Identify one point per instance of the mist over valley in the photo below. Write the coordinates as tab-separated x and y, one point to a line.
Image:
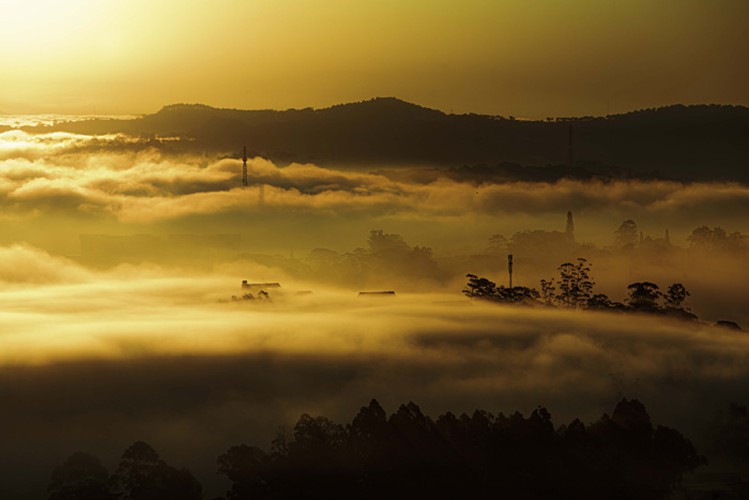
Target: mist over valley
121	253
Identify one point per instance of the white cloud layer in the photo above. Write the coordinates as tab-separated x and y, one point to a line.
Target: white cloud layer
101	175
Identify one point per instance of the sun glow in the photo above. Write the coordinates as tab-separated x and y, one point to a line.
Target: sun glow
27	26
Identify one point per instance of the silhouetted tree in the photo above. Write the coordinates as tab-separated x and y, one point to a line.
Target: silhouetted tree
244	466
644	296
675	295
518	294
370	435
380	241
142	475
469	456
731	433
642	462
601	302
390	255
547	292
484	289
81	477
674	298
716	238
316	437
575	284
574	290
497	244
480	288
535	244
386	259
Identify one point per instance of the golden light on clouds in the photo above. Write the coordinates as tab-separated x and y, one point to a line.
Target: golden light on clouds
123	241
126	178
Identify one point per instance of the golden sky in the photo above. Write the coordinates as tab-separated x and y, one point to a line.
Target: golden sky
514	57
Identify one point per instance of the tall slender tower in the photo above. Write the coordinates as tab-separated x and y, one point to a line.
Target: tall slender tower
509	268
244	167
569	231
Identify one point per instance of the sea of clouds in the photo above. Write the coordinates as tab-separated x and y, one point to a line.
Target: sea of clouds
123	177
93	360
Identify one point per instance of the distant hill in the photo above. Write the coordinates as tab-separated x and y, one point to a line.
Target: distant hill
684	142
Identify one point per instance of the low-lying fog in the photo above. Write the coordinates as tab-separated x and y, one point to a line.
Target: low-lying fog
94	360
131	337
56	186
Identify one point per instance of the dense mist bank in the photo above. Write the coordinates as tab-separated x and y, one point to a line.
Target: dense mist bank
98	360
194	407
118	256
94	200
54	187
679	142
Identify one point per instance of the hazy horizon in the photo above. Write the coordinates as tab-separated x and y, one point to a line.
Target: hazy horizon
47	117
124	244
503	58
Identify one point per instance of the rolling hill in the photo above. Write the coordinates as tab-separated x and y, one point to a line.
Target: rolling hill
699	142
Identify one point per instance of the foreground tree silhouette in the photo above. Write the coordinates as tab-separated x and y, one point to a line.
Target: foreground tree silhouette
81	477
731	433
243	466
467	456
142	475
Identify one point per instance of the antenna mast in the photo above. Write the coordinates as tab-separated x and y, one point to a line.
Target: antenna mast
244	167
509	268
569	230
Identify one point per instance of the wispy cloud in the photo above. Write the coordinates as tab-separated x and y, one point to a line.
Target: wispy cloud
94	174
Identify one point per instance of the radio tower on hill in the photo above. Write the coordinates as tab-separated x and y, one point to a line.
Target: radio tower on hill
244	167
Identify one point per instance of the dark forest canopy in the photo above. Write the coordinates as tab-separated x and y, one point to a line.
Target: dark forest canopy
410	455
681	142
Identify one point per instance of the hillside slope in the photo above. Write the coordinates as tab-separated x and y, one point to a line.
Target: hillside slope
685	142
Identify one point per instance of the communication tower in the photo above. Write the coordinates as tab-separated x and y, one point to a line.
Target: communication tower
509	268
569	230
244	167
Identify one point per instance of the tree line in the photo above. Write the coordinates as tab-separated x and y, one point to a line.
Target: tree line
141	475
573	289
411	455
626	237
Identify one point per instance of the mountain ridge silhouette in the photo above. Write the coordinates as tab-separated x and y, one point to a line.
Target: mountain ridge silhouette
694	142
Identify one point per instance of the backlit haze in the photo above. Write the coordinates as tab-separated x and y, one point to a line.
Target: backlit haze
121	247
510	57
